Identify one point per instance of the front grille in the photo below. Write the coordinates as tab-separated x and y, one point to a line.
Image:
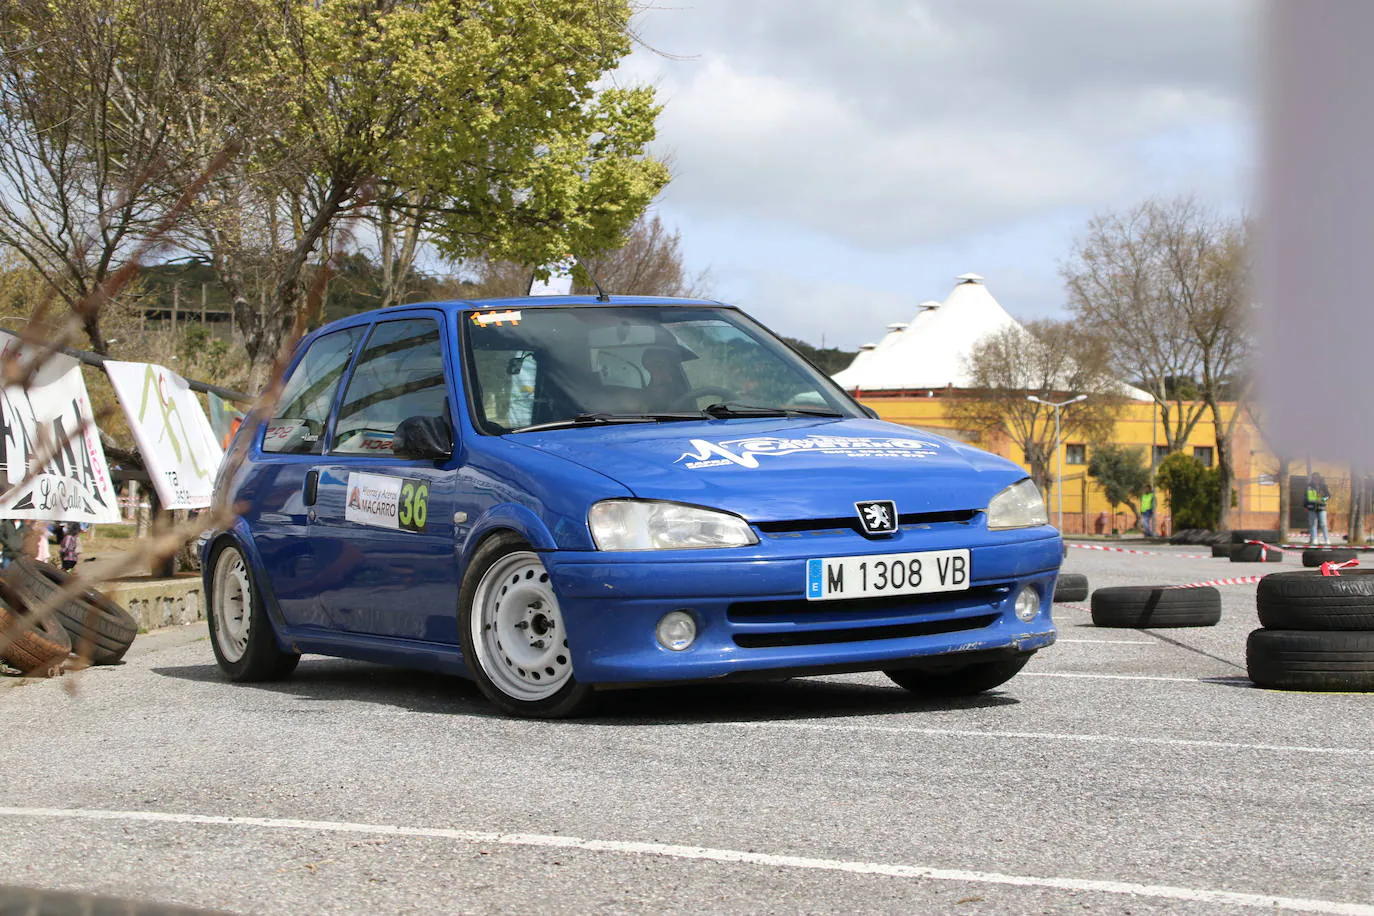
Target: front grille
801	611
851	523
861	634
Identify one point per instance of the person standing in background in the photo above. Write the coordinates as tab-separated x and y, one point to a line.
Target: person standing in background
1315	500
11	541
1147	514
70	547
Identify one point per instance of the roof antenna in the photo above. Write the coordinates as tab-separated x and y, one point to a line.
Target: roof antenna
600	293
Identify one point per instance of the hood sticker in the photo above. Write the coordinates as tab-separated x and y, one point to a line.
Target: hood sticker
745	452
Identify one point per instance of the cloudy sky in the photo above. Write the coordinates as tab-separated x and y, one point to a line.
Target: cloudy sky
837	161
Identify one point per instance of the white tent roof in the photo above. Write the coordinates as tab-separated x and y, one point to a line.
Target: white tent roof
934	348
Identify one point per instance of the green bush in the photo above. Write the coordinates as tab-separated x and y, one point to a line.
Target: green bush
1120	472
1194	491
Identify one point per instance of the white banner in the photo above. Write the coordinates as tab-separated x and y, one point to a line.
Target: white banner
74	485
173	434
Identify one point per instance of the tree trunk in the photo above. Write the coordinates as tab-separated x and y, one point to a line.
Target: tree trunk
1285	499
1355	529
1227	474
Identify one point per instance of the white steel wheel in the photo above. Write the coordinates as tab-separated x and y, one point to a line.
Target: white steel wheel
517	629
233	605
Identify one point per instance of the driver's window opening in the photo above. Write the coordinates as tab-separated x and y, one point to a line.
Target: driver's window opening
400	374
555	364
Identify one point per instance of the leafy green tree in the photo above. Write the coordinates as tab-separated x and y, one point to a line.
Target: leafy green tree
1122	474
1194	491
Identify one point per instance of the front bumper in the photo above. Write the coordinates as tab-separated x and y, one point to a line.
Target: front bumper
752	615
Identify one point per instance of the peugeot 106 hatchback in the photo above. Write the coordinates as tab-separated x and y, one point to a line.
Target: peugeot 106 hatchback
555	495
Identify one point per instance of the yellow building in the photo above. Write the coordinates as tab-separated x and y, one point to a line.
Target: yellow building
1085	507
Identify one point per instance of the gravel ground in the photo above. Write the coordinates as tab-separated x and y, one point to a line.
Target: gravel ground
1123	771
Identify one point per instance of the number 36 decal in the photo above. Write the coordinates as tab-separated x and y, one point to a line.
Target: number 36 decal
413	509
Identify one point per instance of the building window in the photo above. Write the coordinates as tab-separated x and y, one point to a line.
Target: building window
1161	452
1075	454
1203	453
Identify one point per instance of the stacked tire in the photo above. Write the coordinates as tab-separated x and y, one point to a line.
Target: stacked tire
96	628
1316	556
1255	553
1317	632
1070	587
1156	606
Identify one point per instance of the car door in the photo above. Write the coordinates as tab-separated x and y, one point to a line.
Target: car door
386	524
275	495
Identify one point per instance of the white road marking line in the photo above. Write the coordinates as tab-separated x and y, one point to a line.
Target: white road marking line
1065	736
729	856
1111	642
1121	677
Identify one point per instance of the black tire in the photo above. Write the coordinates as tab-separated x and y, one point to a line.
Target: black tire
1154	606
571	699
35	650
964	681
1222	550
1311	660
1310	601
1071	587
1267	535
32	901
1316	556
100	629
241	634
1254	553
1066	550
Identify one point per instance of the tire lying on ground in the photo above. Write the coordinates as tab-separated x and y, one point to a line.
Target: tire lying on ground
35	650
1311	659
1316	556
1310	601
1267	535
1254	553
99	628
1149	606
1071	587
1222	550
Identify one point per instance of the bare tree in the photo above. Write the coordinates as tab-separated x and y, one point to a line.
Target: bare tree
649	263
1164	285
1053	361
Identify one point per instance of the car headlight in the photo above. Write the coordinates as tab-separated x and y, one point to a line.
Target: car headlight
635	524
1018	506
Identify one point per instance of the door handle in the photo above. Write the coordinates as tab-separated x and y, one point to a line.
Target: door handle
312	486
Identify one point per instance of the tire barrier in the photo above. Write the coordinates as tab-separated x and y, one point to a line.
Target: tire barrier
1317	630
1222	550
100	629
32	649
1156	606
1325	660
1316	556
1254	552
1245	535
1070	587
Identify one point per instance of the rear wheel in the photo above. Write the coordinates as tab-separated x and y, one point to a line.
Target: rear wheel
240	630
959	682
514	640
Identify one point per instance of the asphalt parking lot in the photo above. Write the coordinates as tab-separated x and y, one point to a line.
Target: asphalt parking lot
1123	771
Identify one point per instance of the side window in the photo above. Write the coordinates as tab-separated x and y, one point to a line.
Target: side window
298	428
400	374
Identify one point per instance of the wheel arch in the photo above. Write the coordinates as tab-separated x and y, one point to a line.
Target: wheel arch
508	518
239	537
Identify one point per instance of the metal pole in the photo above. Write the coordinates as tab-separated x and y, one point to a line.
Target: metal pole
1059	455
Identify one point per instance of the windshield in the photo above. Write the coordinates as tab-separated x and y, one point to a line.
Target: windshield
554	366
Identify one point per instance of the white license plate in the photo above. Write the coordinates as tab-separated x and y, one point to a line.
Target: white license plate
887	574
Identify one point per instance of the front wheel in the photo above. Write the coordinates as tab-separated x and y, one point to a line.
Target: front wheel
514	640
959	682
240	630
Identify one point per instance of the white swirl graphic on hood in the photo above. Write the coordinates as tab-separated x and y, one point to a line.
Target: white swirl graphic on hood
745	452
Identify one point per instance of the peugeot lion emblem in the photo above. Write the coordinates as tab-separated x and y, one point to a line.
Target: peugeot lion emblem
878	517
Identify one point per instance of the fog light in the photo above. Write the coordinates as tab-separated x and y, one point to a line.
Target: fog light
1027	604
677	631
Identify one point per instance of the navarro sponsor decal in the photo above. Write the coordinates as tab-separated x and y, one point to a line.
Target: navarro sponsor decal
400	503
746	452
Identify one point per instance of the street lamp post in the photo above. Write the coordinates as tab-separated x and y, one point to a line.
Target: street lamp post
1058	454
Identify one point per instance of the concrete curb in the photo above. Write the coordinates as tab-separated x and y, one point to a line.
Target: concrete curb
156	603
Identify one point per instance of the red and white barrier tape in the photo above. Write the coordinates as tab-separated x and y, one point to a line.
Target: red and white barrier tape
1334	569
1264	549
1234	580
1324	547
1151	553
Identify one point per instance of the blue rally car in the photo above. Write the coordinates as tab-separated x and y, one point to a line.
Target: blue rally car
555	495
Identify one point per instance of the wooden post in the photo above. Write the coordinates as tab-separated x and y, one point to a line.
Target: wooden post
176	302
202	305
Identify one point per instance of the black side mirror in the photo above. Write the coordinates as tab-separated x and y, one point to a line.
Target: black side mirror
423	438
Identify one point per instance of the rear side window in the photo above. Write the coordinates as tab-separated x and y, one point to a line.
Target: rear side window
298	428
400	374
